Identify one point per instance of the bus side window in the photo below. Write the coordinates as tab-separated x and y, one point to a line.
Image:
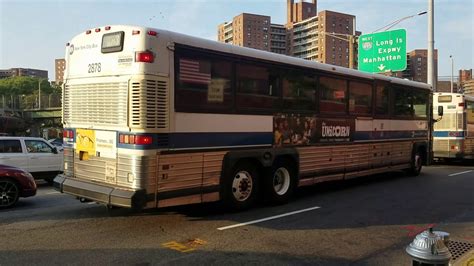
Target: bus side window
470	112
203	84
333	95
299	92
420	104
402	102
381	100
256	88
360	98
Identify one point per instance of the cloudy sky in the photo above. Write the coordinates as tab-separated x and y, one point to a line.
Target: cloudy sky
34	32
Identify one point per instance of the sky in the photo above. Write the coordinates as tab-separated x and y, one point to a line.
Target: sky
33	33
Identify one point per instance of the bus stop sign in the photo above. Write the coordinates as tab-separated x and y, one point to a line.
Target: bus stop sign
383	51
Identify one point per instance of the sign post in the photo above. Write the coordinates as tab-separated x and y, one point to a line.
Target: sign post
383	51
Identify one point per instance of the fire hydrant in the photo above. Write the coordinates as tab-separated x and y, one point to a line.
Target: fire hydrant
429	248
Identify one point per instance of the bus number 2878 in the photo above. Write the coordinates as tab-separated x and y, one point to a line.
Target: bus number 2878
94	67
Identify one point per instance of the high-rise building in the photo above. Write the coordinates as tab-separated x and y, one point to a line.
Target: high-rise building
299	11
325	38
248	30
23	72
465	75
417	65
278	38
60	65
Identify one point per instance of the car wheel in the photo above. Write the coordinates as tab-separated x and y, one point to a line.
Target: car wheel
9	192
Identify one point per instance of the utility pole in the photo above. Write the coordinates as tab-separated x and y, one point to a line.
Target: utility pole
431	73
39	94
452	73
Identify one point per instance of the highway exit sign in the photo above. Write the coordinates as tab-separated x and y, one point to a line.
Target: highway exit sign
383	51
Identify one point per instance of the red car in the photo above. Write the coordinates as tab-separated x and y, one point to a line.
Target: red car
15	183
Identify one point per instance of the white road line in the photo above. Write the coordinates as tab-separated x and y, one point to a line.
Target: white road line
92	202
460	173
266	219
51	193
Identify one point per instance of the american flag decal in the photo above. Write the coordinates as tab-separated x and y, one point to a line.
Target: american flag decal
194	71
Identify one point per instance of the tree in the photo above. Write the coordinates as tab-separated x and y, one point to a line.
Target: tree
25	86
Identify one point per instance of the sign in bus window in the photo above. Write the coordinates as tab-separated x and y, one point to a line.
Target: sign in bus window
112	42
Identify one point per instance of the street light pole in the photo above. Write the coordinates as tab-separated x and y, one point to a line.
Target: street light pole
39	94
431	73
452	73
392	24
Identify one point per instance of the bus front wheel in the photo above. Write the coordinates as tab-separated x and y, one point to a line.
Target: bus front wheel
242	186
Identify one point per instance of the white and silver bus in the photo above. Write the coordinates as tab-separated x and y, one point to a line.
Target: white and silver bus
154	118
453	135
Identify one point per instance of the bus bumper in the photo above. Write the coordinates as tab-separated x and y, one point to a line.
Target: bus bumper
101	193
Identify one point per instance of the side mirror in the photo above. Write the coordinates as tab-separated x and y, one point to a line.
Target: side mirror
55	150
440	111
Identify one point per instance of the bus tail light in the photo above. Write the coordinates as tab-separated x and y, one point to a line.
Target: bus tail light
152	33
88	32
69	134
135	139
146	57
107	28
455	147
461	104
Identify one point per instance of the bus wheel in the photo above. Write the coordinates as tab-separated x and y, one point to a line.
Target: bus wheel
242	187
281	184
416	164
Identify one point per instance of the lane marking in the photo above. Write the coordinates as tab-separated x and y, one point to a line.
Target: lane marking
460	173
266	219
51	193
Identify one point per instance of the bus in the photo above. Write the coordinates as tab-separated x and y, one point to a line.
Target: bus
154	118
453	136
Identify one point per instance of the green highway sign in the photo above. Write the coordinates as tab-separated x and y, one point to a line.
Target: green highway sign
383	51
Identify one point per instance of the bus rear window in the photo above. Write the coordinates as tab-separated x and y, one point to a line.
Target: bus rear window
445	98
112	42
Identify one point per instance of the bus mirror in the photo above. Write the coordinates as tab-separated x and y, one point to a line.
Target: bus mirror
440	110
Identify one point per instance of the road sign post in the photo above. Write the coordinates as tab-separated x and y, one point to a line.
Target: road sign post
383	51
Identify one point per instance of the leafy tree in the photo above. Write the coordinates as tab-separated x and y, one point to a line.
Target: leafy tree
25	86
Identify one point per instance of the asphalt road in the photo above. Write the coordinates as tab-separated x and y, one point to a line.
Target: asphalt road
368	221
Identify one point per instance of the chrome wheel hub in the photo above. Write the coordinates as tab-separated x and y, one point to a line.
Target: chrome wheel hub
242	186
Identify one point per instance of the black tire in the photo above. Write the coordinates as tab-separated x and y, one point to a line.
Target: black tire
9	192
241	187
416	164
281	183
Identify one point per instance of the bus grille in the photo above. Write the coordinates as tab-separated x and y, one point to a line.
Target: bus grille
96	104
149	104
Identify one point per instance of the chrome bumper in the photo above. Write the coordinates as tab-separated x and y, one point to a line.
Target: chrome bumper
101	193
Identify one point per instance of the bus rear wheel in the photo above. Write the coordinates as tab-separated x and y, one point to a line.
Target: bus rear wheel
281	183
242	187
416	164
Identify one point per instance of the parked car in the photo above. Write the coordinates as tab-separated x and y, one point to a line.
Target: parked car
35	155
58	143
15	183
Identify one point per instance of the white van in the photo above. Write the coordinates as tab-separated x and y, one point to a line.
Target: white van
35	155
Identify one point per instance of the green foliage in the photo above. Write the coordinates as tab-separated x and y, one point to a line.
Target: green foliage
26	86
